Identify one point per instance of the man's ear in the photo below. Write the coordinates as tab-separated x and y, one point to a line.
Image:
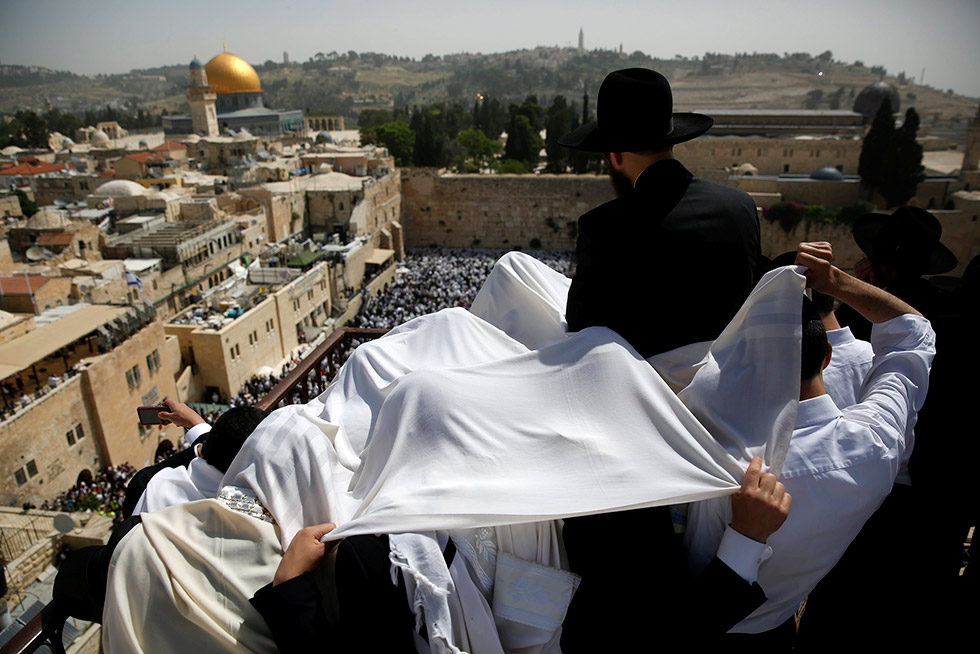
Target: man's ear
826	359
617	158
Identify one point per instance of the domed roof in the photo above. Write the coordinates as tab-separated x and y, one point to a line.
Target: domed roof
99	138
231	74
45	219
243	135
192	138
195	62
67	141
119	188
870	98
324	137
828	174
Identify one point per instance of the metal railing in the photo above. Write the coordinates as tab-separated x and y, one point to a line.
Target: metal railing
331	353
47	627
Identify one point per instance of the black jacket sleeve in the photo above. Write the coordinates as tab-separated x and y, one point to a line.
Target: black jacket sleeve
636	589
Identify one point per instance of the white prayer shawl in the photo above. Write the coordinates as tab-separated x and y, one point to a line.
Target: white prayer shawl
449	423
199	480
181	581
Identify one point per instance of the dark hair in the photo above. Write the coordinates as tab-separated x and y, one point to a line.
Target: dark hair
815	344
823	303
229	434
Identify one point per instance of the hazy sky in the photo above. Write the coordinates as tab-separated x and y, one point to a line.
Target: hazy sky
111	36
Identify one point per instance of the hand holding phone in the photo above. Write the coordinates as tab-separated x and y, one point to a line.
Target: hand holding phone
150	415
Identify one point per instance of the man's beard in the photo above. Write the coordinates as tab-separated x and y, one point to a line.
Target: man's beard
621	182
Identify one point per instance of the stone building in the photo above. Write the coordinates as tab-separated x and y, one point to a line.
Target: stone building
76	381
237	100
323	123
251	323
49	234
771	155
71	187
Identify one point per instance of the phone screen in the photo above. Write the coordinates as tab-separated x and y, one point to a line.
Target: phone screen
149	415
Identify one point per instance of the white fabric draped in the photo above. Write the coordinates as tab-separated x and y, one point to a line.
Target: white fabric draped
497	418
450	423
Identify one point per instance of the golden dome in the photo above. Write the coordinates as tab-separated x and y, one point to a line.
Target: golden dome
231	74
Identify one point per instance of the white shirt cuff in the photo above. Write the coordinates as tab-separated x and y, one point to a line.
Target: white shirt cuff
742	554
196	432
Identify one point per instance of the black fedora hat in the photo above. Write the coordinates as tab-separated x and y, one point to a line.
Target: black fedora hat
635	112
907	240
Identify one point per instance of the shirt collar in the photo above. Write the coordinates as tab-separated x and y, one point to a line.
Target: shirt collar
816	411
841	336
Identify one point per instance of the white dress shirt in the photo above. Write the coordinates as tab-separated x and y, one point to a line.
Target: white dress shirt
199	480
840	467
850	361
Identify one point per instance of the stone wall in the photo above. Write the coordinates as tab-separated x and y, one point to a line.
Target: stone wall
112	401
38	435
510	211
497	211
961	234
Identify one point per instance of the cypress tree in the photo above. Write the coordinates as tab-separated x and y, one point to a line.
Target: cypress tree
903	168
559	122
875	150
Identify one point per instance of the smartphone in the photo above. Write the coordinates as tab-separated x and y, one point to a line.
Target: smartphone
150	415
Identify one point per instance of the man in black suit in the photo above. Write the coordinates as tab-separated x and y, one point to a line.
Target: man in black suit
667	263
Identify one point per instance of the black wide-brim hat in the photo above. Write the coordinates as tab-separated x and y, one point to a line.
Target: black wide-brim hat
906	240
635	112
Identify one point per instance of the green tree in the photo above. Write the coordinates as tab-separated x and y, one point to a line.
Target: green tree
478	153
903	168
559	122
876	146
523	141
400	141
374	117
28	207
430	136
512	167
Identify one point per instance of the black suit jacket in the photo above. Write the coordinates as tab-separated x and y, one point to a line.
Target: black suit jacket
666	266
669	264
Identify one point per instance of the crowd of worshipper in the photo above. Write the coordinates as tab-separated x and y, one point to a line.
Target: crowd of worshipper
12	403
439	278
103	494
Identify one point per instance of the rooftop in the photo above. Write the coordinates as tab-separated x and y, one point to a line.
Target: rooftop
35	168
21	284
72	323
55	238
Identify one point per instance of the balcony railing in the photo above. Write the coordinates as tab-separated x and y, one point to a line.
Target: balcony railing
46	627
328	356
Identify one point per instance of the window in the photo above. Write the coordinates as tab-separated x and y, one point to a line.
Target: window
20	477
295	305
79	432
136	375
309	295
129	380
153	361
31	468
70	437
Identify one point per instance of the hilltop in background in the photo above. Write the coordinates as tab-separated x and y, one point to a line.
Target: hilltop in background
347	83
